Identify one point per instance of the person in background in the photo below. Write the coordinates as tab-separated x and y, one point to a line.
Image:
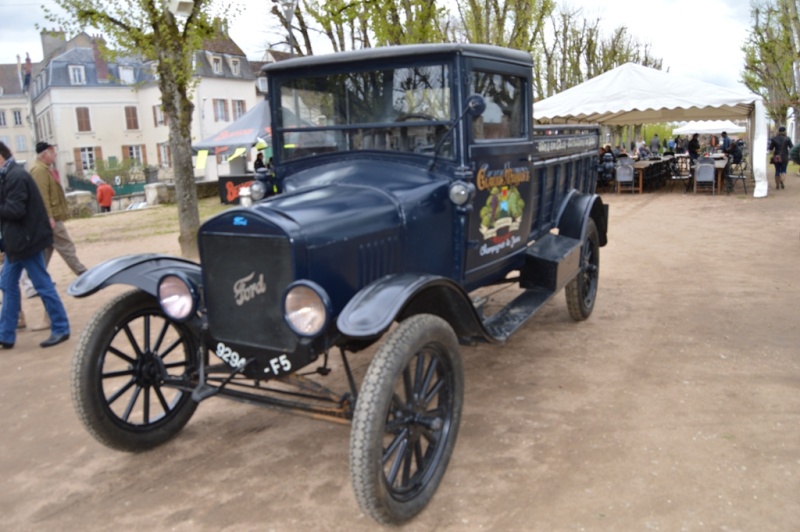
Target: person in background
694	147
780	145
259	162
55	201
679	145
21	324
726	142
655	145
735	152
105	193
27	232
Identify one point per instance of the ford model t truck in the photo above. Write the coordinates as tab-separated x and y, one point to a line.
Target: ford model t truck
413	177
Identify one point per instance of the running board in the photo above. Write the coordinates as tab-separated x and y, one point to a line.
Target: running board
550	263
511	317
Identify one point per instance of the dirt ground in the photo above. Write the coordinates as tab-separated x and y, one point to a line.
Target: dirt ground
674	407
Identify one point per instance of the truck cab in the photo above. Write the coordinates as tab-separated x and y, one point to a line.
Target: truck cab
394	183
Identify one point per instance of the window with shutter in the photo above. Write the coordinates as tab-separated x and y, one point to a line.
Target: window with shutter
82	114
131	117
239	109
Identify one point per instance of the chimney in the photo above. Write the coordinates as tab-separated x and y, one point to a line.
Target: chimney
100	64
52	41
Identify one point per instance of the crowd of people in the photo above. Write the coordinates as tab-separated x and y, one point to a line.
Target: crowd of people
677	146
33	212
31	225
780	145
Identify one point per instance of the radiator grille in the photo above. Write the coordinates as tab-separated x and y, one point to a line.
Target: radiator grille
244	278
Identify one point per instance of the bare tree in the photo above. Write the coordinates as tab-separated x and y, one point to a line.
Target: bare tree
351	25
577	51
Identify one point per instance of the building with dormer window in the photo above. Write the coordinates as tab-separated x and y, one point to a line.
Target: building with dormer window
93	109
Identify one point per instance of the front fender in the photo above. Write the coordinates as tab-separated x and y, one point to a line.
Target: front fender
396	297
142	271
577	210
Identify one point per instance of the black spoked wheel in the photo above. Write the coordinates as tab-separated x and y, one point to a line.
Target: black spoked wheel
128	366
582	290
406	419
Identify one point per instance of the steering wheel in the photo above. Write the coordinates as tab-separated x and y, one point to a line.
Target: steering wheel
415	116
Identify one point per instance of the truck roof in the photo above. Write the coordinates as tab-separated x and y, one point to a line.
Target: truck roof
394	52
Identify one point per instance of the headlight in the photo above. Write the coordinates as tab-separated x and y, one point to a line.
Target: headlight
306	308
177	296
461	192
258	190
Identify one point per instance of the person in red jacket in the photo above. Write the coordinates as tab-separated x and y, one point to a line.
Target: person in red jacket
105	194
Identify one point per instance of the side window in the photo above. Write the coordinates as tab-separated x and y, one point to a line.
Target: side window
505	98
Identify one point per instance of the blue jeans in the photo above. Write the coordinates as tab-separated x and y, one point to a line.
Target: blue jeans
9	283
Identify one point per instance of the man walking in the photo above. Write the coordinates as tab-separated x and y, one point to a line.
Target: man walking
55	202
26	232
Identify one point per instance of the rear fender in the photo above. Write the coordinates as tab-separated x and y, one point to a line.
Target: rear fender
142	271
575	214
396	297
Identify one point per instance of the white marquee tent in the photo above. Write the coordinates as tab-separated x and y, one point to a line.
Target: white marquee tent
709	127
634	94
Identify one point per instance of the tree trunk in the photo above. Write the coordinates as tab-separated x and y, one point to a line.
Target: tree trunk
178	109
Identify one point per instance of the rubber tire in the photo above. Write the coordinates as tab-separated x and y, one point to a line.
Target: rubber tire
88	364
374	495
582	290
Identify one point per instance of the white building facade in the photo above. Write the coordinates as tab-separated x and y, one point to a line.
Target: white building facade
95	110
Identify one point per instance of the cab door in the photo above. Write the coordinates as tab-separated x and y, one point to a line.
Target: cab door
500	147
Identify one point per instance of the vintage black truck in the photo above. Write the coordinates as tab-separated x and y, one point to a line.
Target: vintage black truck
413	177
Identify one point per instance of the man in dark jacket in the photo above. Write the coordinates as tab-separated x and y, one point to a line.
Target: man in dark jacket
780	145
26	233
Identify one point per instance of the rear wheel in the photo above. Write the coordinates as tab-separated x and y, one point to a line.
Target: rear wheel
128	366
406	419
582	290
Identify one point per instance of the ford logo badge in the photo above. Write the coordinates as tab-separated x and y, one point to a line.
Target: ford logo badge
239	220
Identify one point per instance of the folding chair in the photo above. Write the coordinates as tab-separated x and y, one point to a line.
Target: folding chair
737	172
674	175
705	175
625	173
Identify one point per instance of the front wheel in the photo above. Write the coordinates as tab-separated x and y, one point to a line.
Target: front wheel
582	290
406	419
127	371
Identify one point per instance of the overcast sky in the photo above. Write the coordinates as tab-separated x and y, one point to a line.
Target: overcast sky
699	39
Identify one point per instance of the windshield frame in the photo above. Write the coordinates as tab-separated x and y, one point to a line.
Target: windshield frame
391	129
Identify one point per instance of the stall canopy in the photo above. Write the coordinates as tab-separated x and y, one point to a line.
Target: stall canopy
711	127
635	94
241	134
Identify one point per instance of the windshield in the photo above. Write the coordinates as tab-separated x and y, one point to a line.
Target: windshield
404	109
